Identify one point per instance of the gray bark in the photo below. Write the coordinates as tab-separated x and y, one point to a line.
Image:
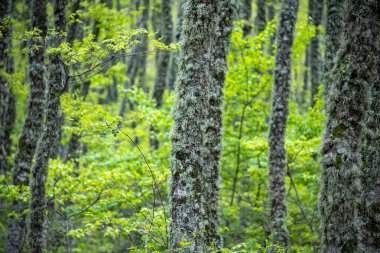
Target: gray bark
163	56
280	111
32	126
7	100
315	13
224	27
354	75
334	29
46	143
173	67
245	13
260	19
369	211
190	112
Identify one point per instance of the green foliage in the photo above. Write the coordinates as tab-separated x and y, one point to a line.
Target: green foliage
113	196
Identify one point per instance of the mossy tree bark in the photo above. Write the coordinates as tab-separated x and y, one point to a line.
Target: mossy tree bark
334	29
190	112
280	111
315	13
224	27
45	148
354	75
260	19
7	99
370	206
32	125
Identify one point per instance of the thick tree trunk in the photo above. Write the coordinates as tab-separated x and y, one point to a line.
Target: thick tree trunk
48	138
190	112
370	206
315	13
260	19
354	75
32	125
245	13
280	111
334	29
224	27
173	67
7	100
163	56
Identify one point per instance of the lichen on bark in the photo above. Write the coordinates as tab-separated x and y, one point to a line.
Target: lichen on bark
190	113
45	147
280	111
32	125
353	76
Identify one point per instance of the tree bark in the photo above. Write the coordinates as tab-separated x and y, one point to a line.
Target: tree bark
48	138
280	111
245	13
220	50
334	29
260	19
7	99
370	206
354	75
173	67
190	112
32	125
315	13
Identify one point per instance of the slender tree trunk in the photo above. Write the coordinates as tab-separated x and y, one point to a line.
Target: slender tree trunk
315	13
260	20
32	126
163	56
48	138
190	112
245	13
224	27
271	15
143	47
354	75
163	61
306	77
137	63
280	111
334	29
173	67
7	100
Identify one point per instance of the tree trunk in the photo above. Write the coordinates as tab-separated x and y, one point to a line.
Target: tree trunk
173	67
32	125
7	100
245	13
48	138
143	47
334	29
137	63
260	20
280	111
224	27
190	112
354	75
370	207
315	13
163	56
